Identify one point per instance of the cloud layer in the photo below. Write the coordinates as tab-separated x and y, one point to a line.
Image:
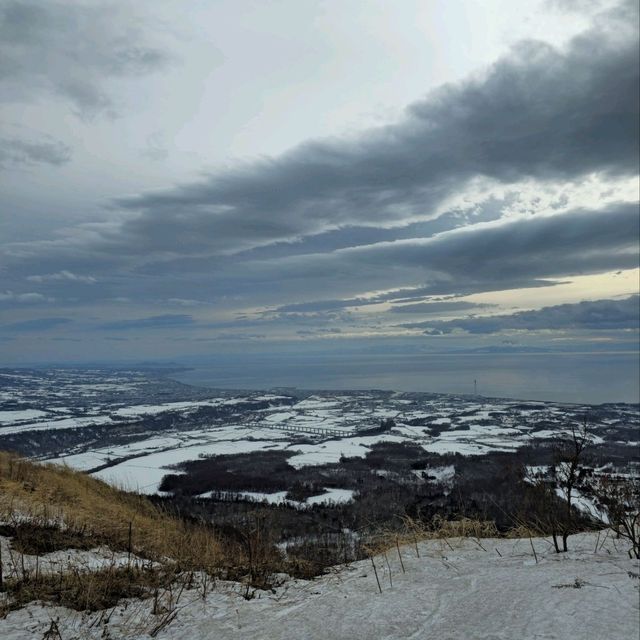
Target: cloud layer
523	177
598	315
538	113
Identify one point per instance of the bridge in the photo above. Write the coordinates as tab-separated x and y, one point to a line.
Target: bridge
316	431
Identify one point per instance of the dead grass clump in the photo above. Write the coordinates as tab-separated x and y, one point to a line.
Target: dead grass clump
33	539
86	590
463	528
413	531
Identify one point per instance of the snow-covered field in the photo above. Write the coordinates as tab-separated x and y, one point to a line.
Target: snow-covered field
114	425
328	496
145	473
486	589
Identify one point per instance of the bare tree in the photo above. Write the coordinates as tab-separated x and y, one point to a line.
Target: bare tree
567	473
543	512
618	497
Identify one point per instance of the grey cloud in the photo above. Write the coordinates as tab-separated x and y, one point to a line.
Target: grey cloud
598	315
345	303
70	49
413	294
439	307
533	251
230	337
624	10
25	298
17	152
324	305
278	320
37	324
537	113
164	321
579	241
62	276
186	302
577	6
319	332
512	253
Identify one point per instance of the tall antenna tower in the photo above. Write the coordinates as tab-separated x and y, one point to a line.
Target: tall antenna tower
475	387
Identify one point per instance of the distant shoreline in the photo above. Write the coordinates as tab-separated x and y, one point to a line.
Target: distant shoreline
601	378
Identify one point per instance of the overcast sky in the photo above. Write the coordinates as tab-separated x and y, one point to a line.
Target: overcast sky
191	178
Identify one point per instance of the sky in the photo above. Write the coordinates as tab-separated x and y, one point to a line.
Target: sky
189	179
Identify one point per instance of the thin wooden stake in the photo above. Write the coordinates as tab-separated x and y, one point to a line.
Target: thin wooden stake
400	556
129	546
606	535
535	555
477	541
376	574
498	552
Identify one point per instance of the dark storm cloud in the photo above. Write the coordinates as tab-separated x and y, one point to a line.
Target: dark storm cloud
37	324
573	243
70	49
164	321
18	152
598	315
515	253
537	113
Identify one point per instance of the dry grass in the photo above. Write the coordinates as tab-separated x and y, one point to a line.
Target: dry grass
414	531
58	498
86	590
45	508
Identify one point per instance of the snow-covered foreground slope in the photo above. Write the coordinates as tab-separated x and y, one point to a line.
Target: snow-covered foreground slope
486	589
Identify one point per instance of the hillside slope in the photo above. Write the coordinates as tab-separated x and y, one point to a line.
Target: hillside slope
489	589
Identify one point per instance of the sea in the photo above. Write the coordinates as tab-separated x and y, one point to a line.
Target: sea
591	378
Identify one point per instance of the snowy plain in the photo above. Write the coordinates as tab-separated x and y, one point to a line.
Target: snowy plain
132	428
